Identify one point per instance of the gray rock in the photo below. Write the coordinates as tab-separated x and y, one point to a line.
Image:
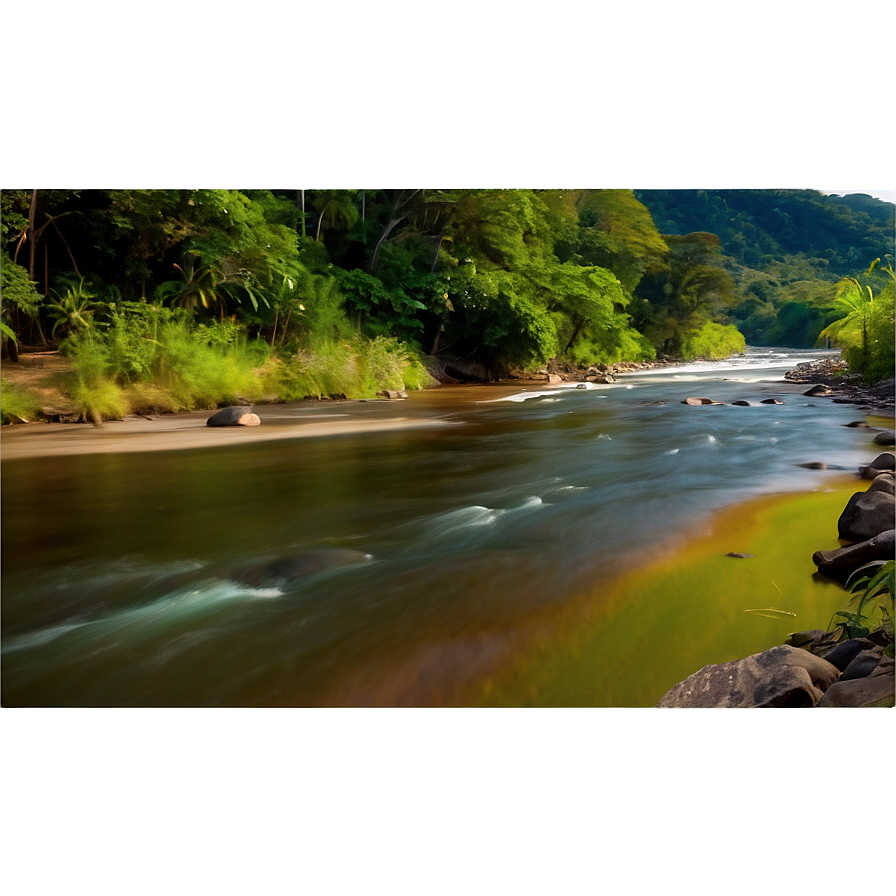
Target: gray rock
876	690
700	401
869	513
806	639
820	389
887	437
883	463
739	555
783	676
394	394
846	651
236	416
840	562
862	666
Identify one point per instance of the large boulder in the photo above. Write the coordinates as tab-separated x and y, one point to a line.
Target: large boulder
839	563
869	513
783	676
238	416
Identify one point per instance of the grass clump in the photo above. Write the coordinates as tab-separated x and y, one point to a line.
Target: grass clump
354	368
17	404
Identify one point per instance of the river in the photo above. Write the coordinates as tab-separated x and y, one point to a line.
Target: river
453	560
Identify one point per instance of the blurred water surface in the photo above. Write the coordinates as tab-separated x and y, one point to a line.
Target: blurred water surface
384	568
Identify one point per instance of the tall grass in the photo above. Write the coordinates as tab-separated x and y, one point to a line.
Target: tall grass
17	404
354	368
140	364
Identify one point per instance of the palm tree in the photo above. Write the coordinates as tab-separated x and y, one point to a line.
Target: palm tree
332	205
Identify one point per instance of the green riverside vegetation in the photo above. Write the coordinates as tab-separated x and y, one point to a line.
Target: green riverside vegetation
170	300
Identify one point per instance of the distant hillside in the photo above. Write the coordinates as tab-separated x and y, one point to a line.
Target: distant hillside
785	249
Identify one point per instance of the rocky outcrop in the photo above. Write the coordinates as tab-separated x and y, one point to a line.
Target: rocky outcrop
783	676
875	689
236	416
817	668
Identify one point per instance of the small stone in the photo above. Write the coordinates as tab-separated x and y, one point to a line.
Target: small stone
740	556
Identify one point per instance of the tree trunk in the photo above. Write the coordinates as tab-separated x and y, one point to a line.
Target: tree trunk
32	240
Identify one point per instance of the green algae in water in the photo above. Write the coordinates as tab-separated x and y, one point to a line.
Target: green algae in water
658	625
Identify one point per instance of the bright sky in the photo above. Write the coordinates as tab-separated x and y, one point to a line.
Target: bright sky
885	195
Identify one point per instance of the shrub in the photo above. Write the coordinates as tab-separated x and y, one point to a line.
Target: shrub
712	342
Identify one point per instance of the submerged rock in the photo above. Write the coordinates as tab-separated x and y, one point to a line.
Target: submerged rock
783	676
699	401
771	401
295	567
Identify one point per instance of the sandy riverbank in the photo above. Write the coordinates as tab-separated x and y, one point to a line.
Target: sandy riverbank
179	432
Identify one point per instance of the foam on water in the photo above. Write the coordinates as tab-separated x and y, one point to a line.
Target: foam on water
185	603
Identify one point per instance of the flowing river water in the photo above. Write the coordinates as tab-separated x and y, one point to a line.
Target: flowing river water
514	544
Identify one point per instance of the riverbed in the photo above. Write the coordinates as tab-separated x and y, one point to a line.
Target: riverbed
456	548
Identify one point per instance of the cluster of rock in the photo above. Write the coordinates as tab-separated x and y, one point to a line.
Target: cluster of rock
829	371
830	379
697	402
817	668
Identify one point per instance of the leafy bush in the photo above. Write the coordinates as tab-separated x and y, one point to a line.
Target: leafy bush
712	342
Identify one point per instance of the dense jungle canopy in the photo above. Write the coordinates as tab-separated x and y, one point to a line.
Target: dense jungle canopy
509	278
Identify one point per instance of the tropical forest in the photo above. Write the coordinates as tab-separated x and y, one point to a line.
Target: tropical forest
174	300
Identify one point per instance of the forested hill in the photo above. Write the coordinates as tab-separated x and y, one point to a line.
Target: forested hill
835	235
786	249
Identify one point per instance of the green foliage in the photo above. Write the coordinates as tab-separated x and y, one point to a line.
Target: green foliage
95	391
874	605
612	230
17	404
16	289
865	331
354	368
73	310
712	342
383	311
